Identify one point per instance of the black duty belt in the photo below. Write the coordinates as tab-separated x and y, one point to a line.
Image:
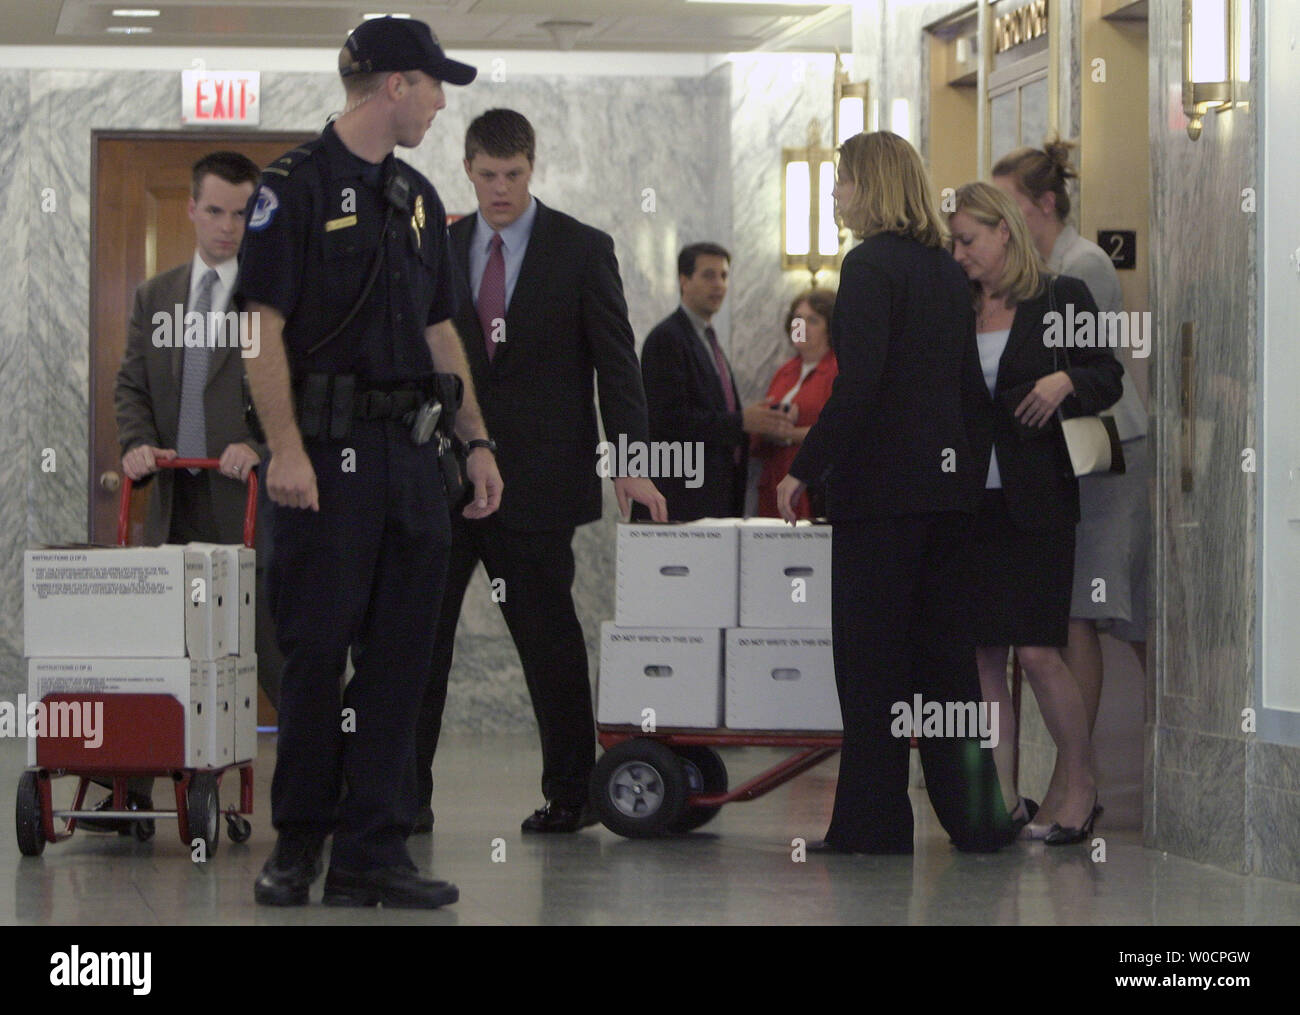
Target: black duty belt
385	404
328	403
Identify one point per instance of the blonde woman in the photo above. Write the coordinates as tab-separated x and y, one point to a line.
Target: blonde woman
1023	539
901	448
1115	523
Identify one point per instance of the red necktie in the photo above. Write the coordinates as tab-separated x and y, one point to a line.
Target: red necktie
724	375
492	295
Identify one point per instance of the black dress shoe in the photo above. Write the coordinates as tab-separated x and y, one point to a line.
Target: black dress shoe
122	826
423	823
883	849
824	847
558	818
289	871
398	887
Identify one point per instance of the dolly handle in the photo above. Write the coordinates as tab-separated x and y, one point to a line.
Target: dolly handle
250	509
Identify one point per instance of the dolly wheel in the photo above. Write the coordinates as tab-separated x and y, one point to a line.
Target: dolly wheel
705	773
27	816
238	828
638	788
204	810
143	830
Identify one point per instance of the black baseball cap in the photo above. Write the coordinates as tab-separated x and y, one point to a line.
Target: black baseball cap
402	44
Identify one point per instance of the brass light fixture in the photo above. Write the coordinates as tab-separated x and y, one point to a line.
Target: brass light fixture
850	104
810	237
1216	58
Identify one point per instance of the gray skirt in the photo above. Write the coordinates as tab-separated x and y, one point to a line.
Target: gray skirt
1111	547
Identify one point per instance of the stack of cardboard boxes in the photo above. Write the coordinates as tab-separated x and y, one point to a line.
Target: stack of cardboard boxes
720	623
171	620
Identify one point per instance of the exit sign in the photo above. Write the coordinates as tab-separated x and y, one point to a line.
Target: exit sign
220	97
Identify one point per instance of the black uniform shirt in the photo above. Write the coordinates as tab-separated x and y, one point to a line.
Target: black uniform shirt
313	230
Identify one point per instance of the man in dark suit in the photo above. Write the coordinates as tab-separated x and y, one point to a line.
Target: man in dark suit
541	309
692	396
174	401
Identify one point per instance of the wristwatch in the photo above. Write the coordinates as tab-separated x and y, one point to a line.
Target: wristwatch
490	444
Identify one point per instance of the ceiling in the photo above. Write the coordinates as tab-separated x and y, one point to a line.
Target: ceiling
678	26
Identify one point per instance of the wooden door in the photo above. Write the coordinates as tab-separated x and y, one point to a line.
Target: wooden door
139	227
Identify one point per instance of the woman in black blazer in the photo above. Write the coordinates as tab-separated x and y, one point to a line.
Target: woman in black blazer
900	449
1023	540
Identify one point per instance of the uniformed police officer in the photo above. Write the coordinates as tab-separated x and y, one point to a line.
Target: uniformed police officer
346	264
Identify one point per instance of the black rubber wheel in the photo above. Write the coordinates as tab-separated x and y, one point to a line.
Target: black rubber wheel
237	828
705	773
638	788
143	830
27	816
203	810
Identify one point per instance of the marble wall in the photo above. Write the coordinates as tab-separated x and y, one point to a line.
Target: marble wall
1216	793
772	101
708	145
16	479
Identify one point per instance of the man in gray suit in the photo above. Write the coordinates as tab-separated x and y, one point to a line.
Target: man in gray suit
164	407
174	401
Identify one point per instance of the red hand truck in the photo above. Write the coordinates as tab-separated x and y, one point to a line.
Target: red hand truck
674	781
144	735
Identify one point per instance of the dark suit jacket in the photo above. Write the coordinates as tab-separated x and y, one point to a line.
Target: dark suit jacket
902	430
148	401
567	317
1038	480
686	403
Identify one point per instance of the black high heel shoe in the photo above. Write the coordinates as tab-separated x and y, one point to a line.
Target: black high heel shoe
1059	836
1026	806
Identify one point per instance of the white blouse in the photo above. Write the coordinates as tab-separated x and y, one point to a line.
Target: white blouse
992	344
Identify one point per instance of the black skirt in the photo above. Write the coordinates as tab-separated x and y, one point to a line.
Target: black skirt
1021	581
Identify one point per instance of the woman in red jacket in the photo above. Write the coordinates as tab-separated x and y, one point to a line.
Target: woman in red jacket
803	384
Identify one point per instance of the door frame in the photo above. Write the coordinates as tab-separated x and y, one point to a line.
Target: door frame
219	139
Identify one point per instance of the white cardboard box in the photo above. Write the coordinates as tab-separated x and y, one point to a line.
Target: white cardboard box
104	602
210	740
785	576
677	672
781	680
677	575
121	602
208	584
238	591
189	681
245	707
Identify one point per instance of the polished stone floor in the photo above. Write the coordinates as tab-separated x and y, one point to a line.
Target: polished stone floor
737	870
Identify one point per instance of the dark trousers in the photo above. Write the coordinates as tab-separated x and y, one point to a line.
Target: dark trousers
537	569
900	624
364	573
192	520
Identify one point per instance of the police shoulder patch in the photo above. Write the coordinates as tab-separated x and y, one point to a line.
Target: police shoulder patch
263	209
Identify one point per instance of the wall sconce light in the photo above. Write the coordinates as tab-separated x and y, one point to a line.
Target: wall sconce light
850	104
1216	58
810	238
